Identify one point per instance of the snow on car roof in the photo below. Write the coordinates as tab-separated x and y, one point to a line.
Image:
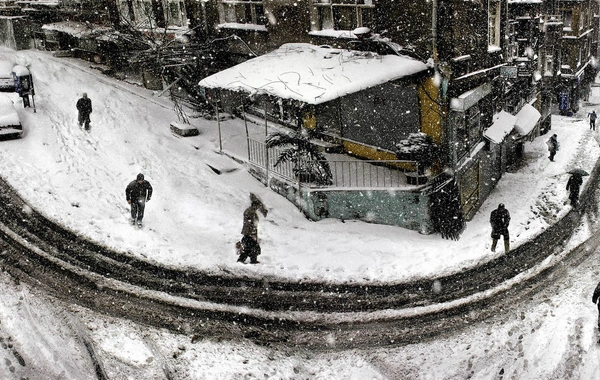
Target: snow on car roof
313	74
8	113
20	70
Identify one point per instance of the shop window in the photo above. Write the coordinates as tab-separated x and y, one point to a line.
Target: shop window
468	131
473	124
242	12
344	14
469	190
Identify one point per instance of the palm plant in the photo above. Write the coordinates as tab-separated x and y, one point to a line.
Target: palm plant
310	164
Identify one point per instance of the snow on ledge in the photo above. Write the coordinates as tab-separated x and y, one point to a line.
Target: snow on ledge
238	26
333	33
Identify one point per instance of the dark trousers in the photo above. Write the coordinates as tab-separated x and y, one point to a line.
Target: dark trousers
84	119
137	209
496	236
552	154
593	124
574	197
250	248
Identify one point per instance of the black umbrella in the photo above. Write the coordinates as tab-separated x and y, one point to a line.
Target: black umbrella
580	172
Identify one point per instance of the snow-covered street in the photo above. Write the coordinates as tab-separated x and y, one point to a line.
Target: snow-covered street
194	219
78	179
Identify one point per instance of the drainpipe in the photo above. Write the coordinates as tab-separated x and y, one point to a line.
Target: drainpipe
434	17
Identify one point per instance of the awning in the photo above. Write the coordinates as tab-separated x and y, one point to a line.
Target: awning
527	119
313	74
502	126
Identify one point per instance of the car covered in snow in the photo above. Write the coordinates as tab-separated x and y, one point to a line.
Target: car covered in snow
10	124
7	81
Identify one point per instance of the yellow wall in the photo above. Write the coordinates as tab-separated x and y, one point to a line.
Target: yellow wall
371	153
430	110
430	125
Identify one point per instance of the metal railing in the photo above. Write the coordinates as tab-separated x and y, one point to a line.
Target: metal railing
347	173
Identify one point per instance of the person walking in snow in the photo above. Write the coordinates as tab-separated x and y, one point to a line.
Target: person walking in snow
137	193
249	245
84	107
552	146
592	115
595	299
500	219
573	185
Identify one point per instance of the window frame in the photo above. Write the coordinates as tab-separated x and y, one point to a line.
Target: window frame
326	18
256	17
494	18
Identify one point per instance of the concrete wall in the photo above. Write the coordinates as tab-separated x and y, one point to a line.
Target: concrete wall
403	208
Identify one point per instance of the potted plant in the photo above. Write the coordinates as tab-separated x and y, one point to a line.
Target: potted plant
310	164
418	147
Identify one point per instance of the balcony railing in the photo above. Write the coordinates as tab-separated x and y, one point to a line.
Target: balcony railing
347	172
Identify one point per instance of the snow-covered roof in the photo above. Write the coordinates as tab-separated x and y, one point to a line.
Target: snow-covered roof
527	118
78	29
313	74
502	126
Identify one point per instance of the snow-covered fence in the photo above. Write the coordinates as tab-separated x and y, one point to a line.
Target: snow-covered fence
346	173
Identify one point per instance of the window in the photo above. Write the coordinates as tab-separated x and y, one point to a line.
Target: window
473	125
177	13
567	18
513	51
127	10
494	23
469	189
344	14
242	12
549	65
468	130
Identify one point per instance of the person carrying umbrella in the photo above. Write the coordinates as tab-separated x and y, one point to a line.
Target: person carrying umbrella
574	184
249	246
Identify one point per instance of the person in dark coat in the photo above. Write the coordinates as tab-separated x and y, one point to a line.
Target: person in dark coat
595	299
573	185
500	219
552	146
592	115
84	107
250	247
137	193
